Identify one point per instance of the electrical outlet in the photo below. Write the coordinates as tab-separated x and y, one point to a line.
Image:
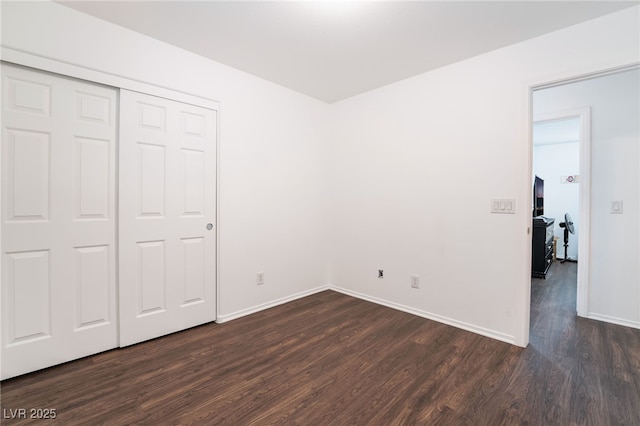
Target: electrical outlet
380	273
260	278
415	281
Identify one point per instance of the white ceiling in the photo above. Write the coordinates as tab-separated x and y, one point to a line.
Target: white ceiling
332	50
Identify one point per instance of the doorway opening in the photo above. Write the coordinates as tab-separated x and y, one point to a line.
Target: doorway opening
588	127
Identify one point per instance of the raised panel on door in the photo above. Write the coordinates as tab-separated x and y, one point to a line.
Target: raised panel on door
92	273
27	168
27	95
193	178
167	198
58	220
93	178
151	182
28	282
194	278
152	282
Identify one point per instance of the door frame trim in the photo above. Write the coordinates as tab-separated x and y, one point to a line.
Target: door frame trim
523	289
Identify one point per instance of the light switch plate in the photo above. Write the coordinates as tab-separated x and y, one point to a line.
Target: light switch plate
503	205
616	207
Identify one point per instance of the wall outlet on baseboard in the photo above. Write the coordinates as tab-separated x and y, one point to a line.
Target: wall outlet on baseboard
260	278
415	281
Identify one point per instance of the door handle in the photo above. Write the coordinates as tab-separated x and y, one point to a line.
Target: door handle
209	226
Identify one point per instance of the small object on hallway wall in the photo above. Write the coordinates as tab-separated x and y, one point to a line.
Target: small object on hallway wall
616	207
380	273
260	278
570	179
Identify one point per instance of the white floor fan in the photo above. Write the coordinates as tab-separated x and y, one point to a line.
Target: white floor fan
568	228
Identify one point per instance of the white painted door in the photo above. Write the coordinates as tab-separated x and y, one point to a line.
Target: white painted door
167	258
58	220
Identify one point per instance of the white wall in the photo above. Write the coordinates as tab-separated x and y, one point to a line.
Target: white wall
614	292
272	147
417	162
551	162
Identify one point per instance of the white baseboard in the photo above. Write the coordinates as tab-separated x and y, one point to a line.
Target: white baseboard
435	317
613	320
424	314
244	312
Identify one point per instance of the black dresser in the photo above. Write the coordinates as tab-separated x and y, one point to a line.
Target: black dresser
541	246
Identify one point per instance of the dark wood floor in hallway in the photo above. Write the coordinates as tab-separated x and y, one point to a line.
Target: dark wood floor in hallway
330	359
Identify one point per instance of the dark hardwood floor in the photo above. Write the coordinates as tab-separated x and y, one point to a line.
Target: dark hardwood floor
330	359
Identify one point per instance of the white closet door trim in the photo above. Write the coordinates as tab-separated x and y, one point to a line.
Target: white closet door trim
18	57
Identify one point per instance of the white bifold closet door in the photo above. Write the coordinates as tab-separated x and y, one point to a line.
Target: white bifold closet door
167	238
58	220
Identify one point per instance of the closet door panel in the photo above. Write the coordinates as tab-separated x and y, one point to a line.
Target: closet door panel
58	219
167	252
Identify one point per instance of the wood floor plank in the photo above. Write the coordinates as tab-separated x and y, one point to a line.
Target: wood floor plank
330	359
